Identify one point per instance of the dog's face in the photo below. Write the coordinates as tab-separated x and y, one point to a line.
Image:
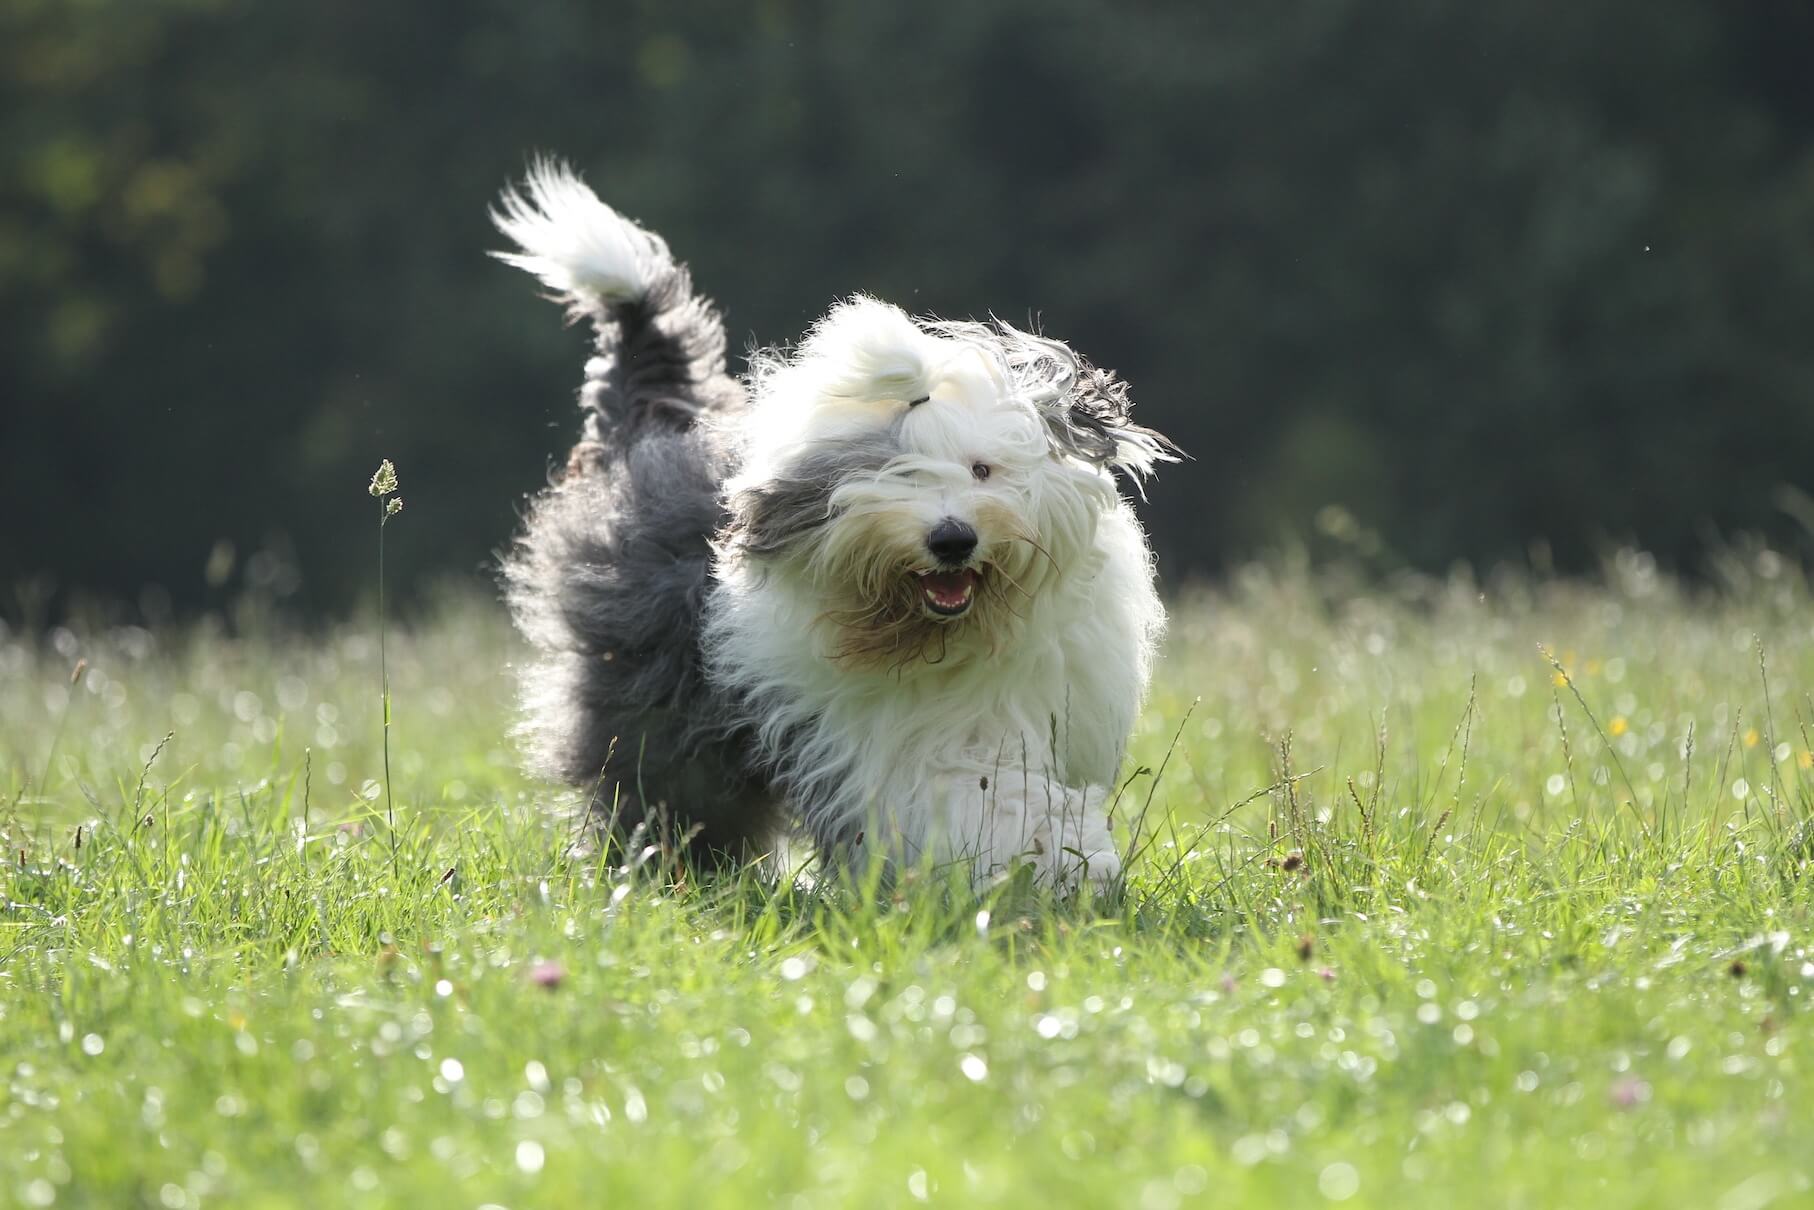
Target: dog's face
925	483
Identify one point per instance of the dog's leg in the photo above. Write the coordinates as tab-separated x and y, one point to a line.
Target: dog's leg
1061	832
1070	841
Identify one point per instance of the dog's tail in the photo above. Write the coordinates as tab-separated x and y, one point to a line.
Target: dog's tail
660	359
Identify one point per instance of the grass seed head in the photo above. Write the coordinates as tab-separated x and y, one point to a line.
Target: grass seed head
384	480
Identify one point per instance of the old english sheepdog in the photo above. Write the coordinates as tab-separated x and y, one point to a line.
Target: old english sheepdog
885	587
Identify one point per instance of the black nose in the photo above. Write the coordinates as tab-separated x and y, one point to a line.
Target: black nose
951	541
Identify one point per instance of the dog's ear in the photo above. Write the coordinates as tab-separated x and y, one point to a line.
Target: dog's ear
1094	421
1087	411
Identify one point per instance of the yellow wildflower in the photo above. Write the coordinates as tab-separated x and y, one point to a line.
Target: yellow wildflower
1618	726
1751	738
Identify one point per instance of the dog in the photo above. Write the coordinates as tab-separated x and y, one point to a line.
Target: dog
885	588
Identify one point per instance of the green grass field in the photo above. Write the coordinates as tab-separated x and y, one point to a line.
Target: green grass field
1418	921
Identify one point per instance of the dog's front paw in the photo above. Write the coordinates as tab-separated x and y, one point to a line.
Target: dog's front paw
1070	843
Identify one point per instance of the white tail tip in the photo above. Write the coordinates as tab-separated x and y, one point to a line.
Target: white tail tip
576	245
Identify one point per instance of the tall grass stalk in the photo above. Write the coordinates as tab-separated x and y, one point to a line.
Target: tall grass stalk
383	488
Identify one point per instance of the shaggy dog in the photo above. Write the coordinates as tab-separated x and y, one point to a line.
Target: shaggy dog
885	586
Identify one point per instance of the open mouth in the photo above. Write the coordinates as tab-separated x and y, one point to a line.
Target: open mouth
948	593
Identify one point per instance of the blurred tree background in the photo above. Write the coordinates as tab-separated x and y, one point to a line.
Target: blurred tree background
1465	277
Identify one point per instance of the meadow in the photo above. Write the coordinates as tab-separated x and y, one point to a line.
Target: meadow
1444	893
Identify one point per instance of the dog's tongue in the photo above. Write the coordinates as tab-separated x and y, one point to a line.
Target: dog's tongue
948	589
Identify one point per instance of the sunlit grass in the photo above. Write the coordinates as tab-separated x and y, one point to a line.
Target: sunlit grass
1480	931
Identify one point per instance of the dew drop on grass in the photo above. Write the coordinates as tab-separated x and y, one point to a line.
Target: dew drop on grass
452	1070
1158	1195
974	1068
530	1156
859	992
1338	1182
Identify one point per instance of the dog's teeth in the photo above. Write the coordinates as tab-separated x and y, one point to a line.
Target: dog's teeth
948	592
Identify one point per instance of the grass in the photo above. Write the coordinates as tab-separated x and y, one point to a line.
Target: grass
1421	921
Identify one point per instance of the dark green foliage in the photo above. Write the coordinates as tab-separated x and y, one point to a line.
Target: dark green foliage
1479	275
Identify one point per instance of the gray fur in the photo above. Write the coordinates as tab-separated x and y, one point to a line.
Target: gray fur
1094	420
767	519
660	361
610	577
1087	411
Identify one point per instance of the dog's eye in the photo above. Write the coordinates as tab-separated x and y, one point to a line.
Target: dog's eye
981	470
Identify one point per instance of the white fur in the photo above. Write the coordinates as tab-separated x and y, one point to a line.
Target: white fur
1006	748
576	245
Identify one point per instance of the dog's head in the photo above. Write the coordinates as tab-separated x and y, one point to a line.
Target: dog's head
926	481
